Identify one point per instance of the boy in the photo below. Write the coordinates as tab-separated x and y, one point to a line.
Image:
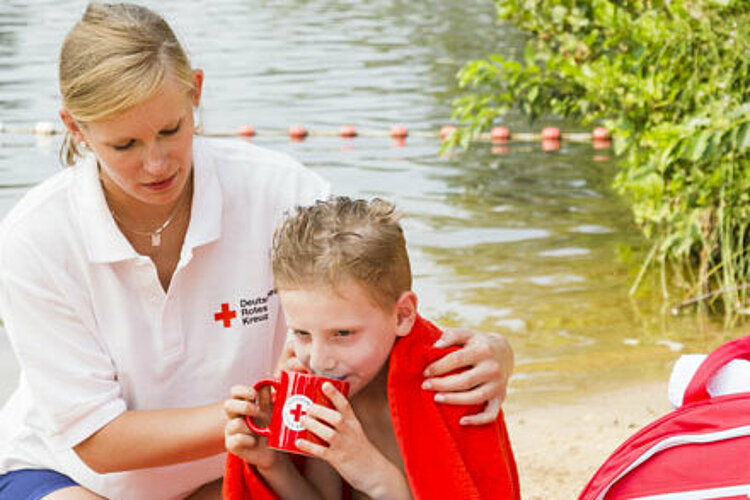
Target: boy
342	274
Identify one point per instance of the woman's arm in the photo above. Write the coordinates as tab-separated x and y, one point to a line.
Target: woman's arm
153	438
488	364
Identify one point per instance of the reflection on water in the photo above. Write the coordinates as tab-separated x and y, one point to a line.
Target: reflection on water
511	239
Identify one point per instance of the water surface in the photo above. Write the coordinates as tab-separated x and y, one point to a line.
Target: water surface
530	244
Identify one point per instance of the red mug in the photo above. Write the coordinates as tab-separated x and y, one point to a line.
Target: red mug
295	392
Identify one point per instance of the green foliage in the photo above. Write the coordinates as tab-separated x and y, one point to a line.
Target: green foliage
670	80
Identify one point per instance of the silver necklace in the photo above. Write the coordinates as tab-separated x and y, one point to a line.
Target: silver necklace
156	233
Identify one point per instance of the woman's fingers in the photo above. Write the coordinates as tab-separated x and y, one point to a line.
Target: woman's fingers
470	354
484	372
478	395
486	416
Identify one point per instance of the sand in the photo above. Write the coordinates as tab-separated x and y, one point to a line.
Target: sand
559	447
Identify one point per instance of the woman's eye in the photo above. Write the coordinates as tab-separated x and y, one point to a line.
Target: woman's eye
301	334
123	147
171	131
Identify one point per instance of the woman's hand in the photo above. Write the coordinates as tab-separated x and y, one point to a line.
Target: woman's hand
487	361
349	451
238	438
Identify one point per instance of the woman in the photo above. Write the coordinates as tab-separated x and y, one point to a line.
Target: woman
135	287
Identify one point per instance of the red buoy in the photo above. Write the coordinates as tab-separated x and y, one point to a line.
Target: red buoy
399	132
446	131
297	132
550	145
551	133
348	131
499	134
600	134
246	131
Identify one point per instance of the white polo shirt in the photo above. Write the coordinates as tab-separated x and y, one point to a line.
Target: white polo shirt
95	334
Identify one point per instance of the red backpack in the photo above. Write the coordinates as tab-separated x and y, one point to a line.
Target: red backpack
701	450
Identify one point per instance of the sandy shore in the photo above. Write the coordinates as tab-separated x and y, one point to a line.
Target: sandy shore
559	447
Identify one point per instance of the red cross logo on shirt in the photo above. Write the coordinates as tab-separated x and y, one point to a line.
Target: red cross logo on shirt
226	315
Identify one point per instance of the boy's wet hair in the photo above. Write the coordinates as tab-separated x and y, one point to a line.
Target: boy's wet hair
339	239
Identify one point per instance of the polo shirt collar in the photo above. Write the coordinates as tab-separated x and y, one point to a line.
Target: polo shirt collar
102	238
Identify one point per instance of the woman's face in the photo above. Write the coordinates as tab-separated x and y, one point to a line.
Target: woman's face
146	153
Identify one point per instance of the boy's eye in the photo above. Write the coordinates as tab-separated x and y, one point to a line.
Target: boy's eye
123	147
301	334
344	333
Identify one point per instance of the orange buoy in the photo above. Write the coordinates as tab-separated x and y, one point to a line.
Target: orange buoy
551	133
499	134
550	145
246	131
446	131
399	132
297	132
600	134
348	131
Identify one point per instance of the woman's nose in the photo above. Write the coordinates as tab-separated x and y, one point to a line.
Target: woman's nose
155	162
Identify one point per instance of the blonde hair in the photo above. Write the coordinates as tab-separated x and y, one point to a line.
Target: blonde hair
116	57
340	238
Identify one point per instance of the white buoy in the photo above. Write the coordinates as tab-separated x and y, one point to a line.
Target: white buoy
44	128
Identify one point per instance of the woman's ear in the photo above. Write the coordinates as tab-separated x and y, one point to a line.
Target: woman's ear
406	313
195	95
74	129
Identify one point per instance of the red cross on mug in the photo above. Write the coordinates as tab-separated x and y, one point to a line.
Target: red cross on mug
295	392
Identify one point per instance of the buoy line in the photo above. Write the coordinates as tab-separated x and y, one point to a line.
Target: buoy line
496	135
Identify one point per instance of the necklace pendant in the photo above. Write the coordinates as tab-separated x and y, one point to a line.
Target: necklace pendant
155	239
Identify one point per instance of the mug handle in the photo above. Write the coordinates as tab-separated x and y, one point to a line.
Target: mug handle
262	431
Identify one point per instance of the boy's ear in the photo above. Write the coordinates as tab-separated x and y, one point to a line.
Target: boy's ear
406	313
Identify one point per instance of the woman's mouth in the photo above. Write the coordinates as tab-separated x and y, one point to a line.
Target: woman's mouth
162	184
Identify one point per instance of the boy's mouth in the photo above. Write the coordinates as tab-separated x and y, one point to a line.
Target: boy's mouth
329	375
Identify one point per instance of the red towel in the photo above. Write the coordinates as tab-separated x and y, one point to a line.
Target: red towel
442	459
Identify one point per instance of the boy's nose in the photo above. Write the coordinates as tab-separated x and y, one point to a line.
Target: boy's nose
321	360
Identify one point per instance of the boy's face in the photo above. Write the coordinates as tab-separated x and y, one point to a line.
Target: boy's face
341	333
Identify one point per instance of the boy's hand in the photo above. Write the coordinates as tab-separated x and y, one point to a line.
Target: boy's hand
240	440
349	451
488	364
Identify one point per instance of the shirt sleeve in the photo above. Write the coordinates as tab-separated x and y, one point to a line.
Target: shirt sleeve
72	378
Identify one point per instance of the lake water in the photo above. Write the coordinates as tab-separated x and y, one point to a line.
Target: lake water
531	244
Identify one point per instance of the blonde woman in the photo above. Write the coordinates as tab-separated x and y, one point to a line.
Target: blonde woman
135	286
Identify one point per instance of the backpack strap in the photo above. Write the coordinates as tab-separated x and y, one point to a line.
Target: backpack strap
735	349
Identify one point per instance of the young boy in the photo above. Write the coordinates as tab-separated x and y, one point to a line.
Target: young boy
342	274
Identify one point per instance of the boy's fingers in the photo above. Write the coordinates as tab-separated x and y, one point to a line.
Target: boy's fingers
244	392
453	361
488	415
239	442
237	407
327	415
339	401
318	428
313	449
238	426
